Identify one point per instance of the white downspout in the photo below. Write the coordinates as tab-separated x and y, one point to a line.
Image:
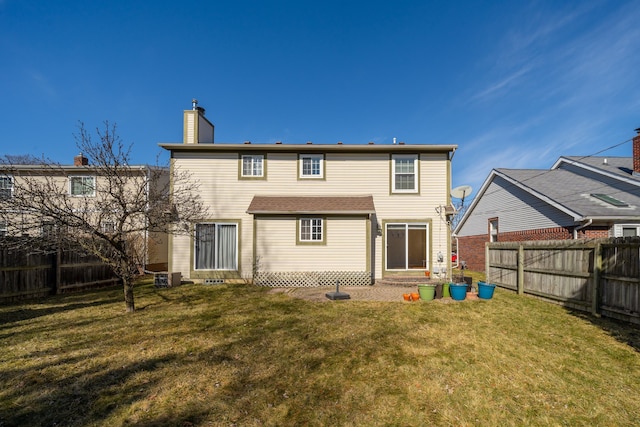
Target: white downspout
580	227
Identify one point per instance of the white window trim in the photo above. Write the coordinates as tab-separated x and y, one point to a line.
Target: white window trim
416	165
311	233
71	178
253	157
618	229
319	157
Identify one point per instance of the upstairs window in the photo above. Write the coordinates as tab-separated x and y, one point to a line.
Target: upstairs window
82	185
404	173
252	166
6	187
311	166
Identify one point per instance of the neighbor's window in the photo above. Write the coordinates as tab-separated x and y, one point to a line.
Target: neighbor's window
311	166
252	165
108	227
405	173
48	229
216	246
493	230
6	187
311	230
82	185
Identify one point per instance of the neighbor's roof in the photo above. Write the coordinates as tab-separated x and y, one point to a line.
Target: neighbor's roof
619	167
311	205
573	191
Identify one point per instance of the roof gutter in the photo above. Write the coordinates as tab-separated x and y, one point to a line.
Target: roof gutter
585	224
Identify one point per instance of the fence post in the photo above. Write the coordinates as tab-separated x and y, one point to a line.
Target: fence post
56	285
520	270
597	275
487	266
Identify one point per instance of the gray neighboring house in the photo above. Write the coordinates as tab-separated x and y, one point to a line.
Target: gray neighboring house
579	197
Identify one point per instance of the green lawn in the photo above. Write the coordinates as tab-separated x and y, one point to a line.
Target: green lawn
239	355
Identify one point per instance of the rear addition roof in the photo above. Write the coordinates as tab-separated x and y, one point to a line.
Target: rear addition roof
311	205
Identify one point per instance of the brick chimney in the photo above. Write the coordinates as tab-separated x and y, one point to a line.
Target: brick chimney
636	152
80	160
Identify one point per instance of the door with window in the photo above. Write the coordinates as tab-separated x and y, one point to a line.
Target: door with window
407	246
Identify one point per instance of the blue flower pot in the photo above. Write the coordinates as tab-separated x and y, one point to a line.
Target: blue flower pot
485	290
458	291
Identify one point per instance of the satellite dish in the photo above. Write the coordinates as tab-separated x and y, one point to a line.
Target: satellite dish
461	192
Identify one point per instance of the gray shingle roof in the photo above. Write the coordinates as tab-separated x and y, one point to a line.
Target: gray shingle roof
573	190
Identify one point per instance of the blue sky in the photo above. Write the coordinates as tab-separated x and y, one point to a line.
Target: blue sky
514	84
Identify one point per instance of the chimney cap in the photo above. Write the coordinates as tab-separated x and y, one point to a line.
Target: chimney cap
638	131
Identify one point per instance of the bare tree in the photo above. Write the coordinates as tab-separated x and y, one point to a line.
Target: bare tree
106	206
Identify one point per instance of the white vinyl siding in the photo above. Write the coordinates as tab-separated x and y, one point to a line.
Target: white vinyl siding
517	210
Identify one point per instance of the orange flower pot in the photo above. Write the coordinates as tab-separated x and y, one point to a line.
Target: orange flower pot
415	296
407	297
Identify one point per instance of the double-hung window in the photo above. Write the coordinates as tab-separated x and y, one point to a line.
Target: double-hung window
82	185
311	230
6	187
311	166
252	166
3	229
404	173
216	246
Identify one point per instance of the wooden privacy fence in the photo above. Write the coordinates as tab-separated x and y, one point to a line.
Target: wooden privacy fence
600	276
25	274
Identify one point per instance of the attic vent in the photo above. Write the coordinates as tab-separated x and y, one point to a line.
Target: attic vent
611	200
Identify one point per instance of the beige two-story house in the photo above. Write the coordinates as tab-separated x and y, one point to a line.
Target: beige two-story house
312	214
84	189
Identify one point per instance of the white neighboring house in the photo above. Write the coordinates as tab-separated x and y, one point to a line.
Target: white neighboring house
312	214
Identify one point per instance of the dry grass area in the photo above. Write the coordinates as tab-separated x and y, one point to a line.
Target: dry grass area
238	355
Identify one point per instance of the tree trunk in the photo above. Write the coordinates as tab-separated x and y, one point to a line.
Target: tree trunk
128	295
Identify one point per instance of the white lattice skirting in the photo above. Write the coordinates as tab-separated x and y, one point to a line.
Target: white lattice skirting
311	279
